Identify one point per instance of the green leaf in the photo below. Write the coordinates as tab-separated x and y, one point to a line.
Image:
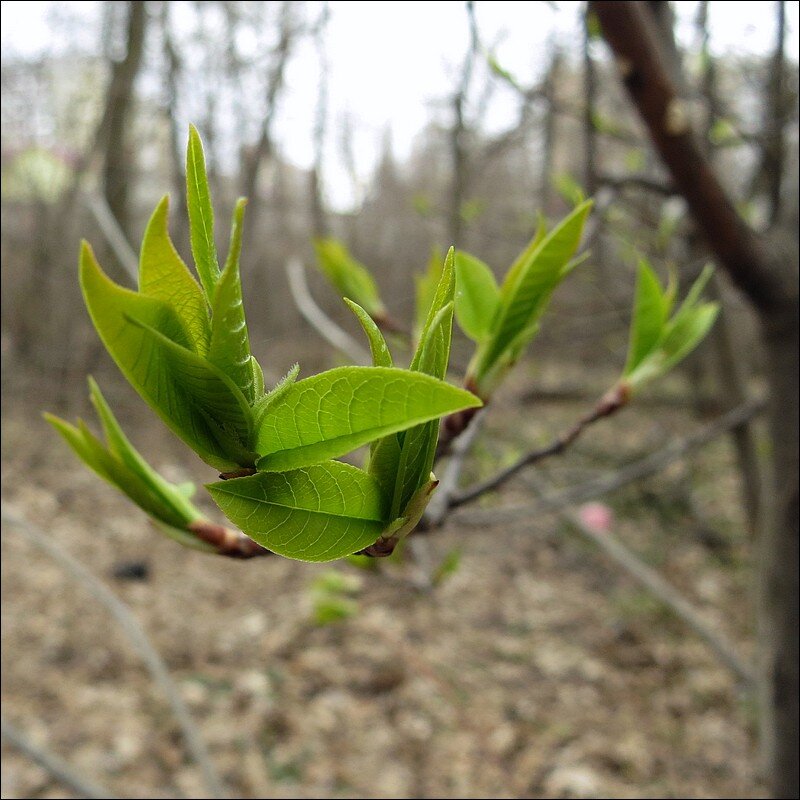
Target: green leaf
686	332
230	344
201	215
426	284
649	316
164	276
120	464
319	513
350	278
151	347
477	297
381	357
210	392
679	336
521	261
258	379
444	294
337	411
402	462
529	285
175	498
275	394
568	187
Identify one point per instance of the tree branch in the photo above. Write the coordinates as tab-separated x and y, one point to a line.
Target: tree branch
631	473
609	404
318	319
227	541
666	593
629	31
137	637
51	763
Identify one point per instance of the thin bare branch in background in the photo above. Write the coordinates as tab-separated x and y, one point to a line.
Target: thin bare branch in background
631	473
136	636
316	188
671	597
113	233
52	764
608	405
318	319
442	499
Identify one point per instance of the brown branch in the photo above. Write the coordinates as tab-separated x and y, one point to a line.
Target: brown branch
227	541
629	31
631	473
609	404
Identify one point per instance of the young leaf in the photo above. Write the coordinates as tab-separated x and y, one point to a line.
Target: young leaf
319	513
275	394
678	336
201	215
119	463
444	294
174	497
332	413
258	379
208	391
686	332
151	347
649	316
529	284
418	445
477	297
402	463
349	277
381	357
425	289
230	345
164	276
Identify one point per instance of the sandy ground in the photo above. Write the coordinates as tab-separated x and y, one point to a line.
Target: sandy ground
534	670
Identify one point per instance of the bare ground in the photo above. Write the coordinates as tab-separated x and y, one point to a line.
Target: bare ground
535	670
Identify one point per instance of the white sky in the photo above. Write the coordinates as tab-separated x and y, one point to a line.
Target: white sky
391	63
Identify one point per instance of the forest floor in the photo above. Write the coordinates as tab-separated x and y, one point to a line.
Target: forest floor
535	668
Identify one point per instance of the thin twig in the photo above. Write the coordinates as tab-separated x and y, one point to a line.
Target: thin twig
115	236
227	542
58	768
609	404
318	319
135	634
666	593
631	473
642	182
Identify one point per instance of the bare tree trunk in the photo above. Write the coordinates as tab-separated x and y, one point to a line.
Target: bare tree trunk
549	89
773	156
318	219
172	72
768	278
589	110
117	158
264	146
458	135
731	371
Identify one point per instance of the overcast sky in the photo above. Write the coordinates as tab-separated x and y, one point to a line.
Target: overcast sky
391	62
